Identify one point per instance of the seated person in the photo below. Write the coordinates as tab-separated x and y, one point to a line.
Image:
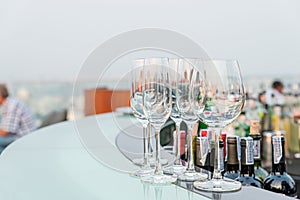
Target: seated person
16	118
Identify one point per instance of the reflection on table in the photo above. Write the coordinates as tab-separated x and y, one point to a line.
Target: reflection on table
80	160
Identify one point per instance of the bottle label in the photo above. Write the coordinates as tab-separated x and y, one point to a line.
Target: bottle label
238	146
249	153
277	149
209	135
203	149
221	159
256	149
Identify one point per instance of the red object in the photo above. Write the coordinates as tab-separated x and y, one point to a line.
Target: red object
204	132
223	137
182	142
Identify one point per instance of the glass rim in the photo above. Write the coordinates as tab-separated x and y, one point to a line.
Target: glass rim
202	59
147	58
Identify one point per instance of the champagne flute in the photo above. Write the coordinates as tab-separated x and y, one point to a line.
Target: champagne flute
136	103
225	100
157	103
185	71
176	167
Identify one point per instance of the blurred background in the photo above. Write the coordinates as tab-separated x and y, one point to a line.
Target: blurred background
44	43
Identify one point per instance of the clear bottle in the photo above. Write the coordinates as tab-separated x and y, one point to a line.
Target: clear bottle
254	133
278	180
232	163
247	176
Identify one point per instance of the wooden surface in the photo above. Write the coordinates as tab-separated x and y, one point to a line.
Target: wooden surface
100	100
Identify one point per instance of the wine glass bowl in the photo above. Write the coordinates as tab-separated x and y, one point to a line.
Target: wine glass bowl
157	105
225	99
136	104
185	71
225	93
177	167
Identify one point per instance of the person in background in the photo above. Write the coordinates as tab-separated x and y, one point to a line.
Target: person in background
262	97
274	96
16	118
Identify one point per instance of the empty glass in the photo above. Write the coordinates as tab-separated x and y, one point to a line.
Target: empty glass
136	103
185	71
157	104
176	167
225	99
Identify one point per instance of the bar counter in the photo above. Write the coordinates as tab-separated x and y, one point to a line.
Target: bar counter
82	160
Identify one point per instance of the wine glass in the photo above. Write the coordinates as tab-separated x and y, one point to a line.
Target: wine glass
224	102
136	103
176	167
157	104
185	71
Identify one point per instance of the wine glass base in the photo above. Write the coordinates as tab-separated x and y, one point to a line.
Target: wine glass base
218	185
142	172
192	176
140	161
160	180
175	169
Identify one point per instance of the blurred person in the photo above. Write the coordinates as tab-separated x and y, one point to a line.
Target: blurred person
274	96
16	118
261	102
262	97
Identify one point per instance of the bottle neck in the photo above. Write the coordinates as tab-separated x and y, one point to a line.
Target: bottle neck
207	160
247	170
257	163
278	155
247	160
232	168
279	168
256	147
232	154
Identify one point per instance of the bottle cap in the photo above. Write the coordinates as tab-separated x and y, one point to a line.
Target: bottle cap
232	139
223	136
254	127
232	150
203	132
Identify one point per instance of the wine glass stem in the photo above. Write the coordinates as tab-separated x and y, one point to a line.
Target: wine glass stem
177	145
158	168
190	160
217	164
146	163
149	142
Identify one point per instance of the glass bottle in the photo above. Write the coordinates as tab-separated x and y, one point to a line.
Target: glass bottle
211	157
266	121
278	180
247	176
201	126
223	137
254	133
232	165
202	152
209	166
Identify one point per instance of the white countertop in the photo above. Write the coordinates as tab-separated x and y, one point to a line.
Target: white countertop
79	160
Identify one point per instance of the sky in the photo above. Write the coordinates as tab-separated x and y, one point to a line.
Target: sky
50	40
